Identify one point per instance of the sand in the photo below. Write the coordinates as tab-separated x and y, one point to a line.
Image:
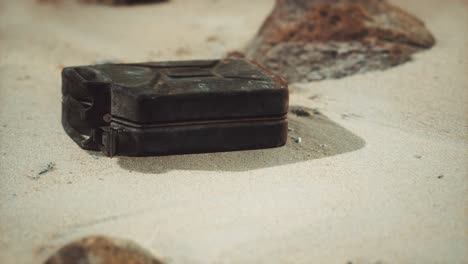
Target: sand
379	177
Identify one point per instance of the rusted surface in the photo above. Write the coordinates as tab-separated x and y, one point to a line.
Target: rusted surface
100	249
161	108
107	2
318	39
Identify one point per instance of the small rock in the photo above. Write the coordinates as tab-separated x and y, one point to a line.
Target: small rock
121	2
314	97
316	111
418	156
50	166
300	112
100	249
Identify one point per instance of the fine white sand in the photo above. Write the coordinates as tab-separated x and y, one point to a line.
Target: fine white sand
381	177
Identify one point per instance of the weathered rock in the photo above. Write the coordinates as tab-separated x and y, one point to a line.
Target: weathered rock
122	2
100	250
310	40
106	2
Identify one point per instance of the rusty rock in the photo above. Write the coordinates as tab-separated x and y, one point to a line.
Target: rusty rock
122	2
310	40
99	249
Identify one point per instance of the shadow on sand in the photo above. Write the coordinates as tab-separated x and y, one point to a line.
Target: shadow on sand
319	137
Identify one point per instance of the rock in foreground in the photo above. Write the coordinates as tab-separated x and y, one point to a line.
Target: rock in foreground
310	40
102	250
122	2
